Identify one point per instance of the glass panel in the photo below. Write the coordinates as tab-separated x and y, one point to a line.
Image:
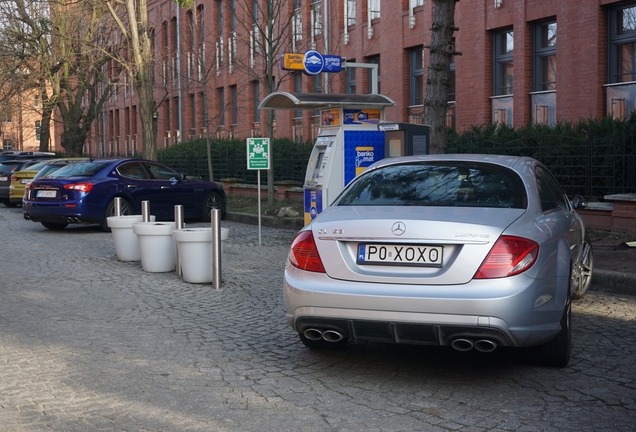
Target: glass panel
506	43
626	62
627	20
460	184
544	109
548	72
506	74
621	101
502	110
548	35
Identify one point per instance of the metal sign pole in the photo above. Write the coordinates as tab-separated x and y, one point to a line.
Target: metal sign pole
215	217
258	188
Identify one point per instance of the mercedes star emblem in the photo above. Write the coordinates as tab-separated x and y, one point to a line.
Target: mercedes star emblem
398	228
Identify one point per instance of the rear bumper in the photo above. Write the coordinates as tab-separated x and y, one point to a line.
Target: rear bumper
56	213
517	311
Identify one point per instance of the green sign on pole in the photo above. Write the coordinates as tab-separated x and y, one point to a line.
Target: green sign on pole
258	153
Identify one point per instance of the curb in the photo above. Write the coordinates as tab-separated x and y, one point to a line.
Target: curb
615	282
268	221
602	280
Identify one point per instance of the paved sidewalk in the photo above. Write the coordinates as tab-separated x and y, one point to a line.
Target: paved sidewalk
88	343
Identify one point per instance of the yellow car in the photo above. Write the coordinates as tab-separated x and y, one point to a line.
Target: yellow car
20	179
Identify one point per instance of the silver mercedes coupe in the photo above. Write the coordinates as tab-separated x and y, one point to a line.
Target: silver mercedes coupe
469	251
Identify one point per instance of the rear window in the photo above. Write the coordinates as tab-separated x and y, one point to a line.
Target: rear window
463	184
79	169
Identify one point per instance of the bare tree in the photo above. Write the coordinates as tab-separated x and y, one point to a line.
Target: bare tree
56	46
131	17
268	32
438	79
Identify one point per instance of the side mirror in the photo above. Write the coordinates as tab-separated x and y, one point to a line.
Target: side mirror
578	202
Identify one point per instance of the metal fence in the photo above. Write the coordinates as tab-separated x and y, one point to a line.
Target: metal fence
229	160
592	167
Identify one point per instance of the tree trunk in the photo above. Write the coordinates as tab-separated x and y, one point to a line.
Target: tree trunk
438	79
73	138
146	110
45	129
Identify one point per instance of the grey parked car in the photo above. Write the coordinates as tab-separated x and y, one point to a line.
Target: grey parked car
471	251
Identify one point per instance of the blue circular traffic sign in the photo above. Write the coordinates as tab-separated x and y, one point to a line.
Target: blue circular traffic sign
314	62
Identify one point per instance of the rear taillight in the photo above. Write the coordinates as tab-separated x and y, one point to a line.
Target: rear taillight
14	178
81	187
508	257
303	253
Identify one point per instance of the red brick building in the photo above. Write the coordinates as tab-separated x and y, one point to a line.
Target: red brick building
540	61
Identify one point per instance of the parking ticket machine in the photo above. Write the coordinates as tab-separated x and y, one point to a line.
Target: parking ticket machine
353	135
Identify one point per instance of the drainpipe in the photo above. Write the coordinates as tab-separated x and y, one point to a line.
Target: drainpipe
179	90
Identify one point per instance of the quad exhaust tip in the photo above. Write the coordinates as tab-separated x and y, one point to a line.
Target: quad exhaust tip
482	345
328	335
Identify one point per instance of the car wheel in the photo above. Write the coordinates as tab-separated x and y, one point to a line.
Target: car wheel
585	267
212	201
54	226
557	351
9	204
126	209
322	344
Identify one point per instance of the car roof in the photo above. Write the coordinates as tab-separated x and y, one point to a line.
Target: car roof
504	160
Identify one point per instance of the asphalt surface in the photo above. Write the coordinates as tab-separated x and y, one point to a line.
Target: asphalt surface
88	343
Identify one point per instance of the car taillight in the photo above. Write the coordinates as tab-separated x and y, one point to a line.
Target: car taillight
303	253
508	257
82	187
14	178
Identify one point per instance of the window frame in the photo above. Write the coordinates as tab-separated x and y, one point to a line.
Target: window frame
500	88
541	53
416	75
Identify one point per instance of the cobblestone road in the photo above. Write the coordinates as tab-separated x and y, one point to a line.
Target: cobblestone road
88	343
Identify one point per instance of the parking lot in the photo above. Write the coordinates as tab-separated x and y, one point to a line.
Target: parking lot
90	343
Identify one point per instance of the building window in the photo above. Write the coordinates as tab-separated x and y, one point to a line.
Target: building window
416	72
351	80
38	130
503	79
234	95
621	90
545	62
221	97
374	9
316	17
298	88
297	24
416	3
374	60
256	95
193	117
503	50
350	12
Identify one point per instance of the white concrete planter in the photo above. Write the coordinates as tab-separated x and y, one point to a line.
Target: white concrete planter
195	252
156	245
124	239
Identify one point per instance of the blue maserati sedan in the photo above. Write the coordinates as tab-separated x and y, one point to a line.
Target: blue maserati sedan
85	192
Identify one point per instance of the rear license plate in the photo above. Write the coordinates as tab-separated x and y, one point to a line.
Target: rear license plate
46	194
4	178
402	255
25	181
